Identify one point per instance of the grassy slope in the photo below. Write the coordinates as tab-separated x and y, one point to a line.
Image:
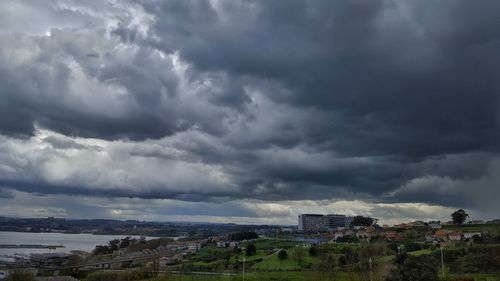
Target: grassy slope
290	263
260	276
421	252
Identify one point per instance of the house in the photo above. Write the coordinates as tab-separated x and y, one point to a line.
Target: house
455	236
337	235
363	234
441	235
175	259
468	235
435	225
233	244
194	247
392	236
221	244
429	237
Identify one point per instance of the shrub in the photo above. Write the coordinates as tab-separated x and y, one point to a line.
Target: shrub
416	269
19	275
313	251
282	255
119	276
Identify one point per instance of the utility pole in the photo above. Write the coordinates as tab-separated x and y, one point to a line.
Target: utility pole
243	268
370	261
442	258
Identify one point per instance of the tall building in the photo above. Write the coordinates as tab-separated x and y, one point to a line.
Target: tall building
336	221
312	222
318	222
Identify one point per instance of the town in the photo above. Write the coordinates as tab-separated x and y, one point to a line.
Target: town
332	246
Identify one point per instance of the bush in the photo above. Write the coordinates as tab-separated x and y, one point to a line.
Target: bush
412	246
20	275
282	255
119	276
420	268
313	251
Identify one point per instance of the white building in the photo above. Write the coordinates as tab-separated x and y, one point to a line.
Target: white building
221	244
454	236
468	235
194	247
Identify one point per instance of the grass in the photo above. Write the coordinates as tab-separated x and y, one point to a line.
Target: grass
270	244
478	276
209	254
258	255
421	252
384	259
262	276
272	263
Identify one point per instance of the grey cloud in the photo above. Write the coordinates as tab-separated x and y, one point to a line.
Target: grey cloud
6	193
384	101
66	143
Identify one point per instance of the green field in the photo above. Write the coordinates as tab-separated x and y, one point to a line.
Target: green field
271	244
212	263
478	276
420	252
267	276
272	262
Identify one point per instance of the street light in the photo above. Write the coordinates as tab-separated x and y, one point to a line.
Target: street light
370	260
243	268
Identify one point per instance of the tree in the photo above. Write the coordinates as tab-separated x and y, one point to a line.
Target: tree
419	268
459	216
362	221
342	261
299	255
250	250
415	268
101	250
114	244
282	254
313	251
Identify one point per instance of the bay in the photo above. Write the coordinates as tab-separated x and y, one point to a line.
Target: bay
71	242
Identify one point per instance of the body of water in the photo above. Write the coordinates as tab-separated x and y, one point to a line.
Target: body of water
71	242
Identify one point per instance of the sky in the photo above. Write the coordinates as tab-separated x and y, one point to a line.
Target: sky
249	111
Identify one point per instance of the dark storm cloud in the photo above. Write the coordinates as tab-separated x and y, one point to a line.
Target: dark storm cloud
386	82
385	101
